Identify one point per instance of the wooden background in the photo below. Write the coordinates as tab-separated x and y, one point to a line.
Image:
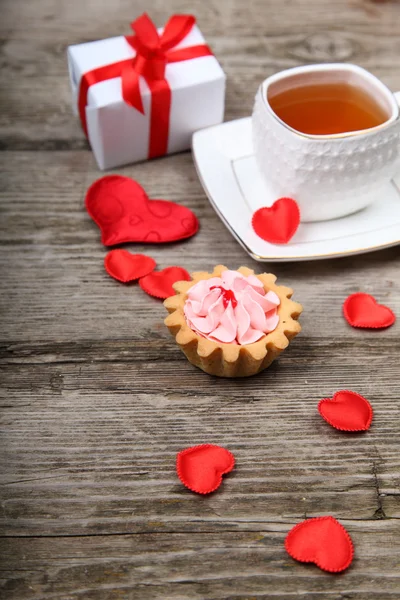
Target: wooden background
96	398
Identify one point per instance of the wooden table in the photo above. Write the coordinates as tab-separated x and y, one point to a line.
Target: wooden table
96	397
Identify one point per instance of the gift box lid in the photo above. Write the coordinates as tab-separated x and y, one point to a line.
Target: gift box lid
85	57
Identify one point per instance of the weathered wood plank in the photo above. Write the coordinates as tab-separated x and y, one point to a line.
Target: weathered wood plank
96	398
249	47
170	565
81	22
53	280
90	444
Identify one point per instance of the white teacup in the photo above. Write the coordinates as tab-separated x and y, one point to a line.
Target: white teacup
329	176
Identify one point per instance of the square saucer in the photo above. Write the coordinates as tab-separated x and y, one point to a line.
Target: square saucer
225	163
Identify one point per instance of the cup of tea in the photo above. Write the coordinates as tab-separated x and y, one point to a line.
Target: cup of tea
328	136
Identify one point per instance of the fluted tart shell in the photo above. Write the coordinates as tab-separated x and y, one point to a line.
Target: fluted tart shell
232	360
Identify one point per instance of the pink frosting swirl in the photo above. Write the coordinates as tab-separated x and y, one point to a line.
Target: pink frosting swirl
232	309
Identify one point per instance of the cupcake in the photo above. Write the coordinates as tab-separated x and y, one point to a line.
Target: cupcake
232	323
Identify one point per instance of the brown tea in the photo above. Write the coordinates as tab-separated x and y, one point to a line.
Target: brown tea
327	108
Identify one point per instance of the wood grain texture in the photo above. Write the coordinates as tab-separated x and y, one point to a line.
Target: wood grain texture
97	400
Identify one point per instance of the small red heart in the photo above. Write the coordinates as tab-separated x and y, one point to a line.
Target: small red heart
322	541
159	283
278	223
124	213
200	468
346	411
124	266
362	310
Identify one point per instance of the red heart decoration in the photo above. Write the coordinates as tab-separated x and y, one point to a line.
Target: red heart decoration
362	310
322	541
124	213
346	411
200	468
278	223
124	266
159	283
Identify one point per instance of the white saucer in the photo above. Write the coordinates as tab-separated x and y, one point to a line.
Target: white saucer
226	166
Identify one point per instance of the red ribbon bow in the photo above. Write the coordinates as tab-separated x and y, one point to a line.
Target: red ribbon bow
153	53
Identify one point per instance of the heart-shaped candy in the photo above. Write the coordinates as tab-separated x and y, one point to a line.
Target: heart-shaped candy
200	468
362	310
124	266
159	283
124	213
346	411
322	541
278	223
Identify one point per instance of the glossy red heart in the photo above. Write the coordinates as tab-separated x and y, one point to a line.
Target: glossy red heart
362	310
200	468
159	283
346	411
278	223
124	213
124	266
322	541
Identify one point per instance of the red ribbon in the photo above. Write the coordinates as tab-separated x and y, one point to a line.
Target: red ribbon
153	53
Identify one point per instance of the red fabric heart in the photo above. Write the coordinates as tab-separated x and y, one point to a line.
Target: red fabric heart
322	541
159	283
124	266
200	468
346	411
278	223
124	213
362	310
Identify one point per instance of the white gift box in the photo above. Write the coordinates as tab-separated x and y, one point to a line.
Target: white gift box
120	134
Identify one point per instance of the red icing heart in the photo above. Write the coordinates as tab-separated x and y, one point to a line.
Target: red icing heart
346	411
362	310
159	283
322	541
124	213
124	266
200	468
278	223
